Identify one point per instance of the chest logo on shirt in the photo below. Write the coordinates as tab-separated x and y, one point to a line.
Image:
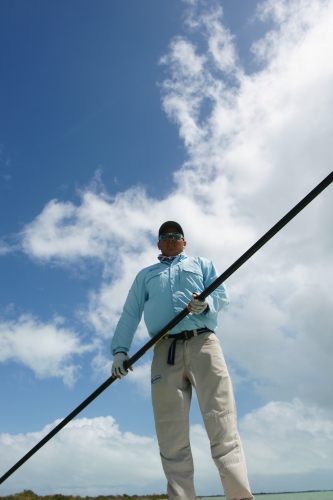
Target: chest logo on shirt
156	379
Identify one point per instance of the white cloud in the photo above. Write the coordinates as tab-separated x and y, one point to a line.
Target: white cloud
93	457
45	348
88	457
281	337
187	69
6	248
287	438
100	227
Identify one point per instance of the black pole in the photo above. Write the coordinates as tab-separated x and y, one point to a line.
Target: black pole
236	265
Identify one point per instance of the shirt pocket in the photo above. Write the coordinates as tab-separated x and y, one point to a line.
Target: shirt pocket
191	277
155	282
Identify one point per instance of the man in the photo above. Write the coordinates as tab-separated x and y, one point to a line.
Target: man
190	355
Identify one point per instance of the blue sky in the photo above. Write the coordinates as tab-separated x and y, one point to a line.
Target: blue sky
117	116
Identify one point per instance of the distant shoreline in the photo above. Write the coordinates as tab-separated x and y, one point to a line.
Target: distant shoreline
30	495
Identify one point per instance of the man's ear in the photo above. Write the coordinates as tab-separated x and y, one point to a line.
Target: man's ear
158	245
184	244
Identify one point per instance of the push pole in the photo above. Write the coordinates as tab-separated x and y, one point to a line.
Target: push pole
236	265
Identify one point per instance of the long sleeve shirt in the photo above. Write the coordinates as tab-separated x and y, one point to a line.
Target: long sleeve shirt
162	291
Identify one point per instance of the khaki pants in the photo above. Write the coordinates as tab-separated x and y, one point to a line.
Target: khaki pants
199	362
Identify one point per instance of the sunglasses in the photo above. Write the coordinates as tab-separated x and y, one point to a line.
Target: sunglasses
175	236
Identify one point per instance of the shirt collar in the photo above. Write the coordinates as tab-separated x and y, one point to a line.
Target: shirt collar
169	260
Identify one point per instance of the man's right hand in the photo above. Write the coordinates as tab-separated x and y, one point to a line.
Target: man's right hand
118	370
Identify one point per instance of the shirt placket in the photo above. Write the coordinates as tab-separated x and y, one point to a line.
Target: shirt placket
172	279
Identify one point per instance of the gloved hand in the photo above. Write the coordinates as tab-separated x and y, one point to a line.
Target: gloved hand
197	306
118	370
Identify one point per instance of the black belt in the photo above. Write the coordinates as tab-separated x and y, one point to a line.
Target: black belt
185	335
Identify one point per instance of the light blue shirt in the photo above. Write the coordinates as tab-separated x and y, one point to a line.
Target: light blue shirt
161	292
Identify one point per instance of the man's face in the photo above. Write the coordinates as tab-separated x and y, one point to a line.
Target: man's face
171	246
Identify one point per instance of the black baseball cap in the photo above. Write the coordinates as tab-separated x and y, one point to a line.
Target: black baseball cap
170	223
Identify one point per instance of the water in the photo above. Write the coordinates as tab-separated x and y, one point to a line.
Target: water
307	495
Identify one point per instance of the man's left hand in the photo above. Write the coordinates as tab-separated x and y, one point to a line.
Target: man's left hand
197	306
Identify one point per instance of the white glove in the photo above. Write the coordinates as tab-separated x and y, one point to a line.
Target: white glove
197	306
118	370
